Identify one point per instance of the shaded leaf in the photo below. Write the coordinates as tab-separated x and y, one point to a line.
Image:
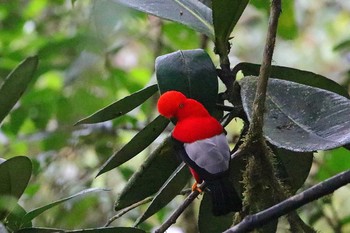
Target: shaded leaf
14	176
137	144
7	205
347	146
36	212
15	84
150	177
191	72
295	75
207	222
293	167
120	107
40	230
170	189
226	13
299	117
93	230
14	219
191	13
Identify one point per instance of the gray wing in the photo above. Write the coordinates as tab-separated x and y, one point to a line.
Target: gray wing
211	154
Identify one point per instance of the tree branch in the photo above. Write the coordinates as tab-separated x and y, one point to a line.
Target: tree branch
255	129
322	189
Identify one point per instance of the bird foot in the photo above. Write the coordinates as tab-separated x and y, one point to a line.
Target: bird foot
195	187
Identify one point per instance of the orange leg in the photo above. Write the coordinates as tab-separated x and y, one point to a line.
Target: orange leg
195	187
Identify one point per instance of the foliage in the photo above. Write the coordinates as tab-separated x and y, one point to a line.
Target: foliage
80	68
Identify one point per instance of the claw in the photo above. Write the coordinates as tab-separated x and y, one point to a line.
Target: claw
195	187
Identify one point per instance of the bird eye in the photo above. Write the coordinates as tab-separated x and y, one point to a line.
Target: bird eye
181	105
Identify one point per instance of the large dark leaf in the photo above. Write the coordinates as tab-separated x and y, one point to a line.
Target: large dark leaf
300	117
120	107
295	75
34	213
226	13
15	84
137	144
150	177
167	192
191	72
14	176
191	13
207	222
95	230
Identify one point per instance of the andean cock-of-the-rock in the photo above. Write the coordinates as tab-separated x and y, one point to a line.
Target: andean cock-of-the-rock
201	143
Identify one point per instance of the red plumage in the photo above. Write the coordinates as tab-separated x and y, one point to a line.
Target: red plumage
204	148
193	121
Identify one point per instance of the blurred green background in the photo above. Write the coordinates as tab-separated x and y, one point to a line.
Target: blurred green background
95	52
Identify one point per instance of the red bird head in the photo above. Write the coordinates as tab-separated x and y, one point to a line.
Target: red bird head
170	102
175	104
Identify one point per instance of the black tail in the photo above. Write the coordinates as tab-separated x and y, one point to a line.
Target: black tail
224	197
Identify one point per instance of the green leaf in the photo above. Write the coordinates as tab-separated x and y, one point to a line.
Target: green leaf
109	230
13	220
262	5
226	13
120	107
15	84
207	222
170	189
295	75
293	167
150	177
299	117
344	45
14	176
334	162
137	144
191	72
287	27
15	217
7	205
191	13
94	230
36	212
40	230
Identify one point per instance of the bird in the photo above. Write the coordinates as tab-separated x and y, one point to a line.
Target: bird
201	143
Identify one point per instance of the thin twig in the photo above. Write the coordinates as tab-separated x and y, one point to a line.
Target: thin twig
322	189
174	216
137	204
260	96
127	209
